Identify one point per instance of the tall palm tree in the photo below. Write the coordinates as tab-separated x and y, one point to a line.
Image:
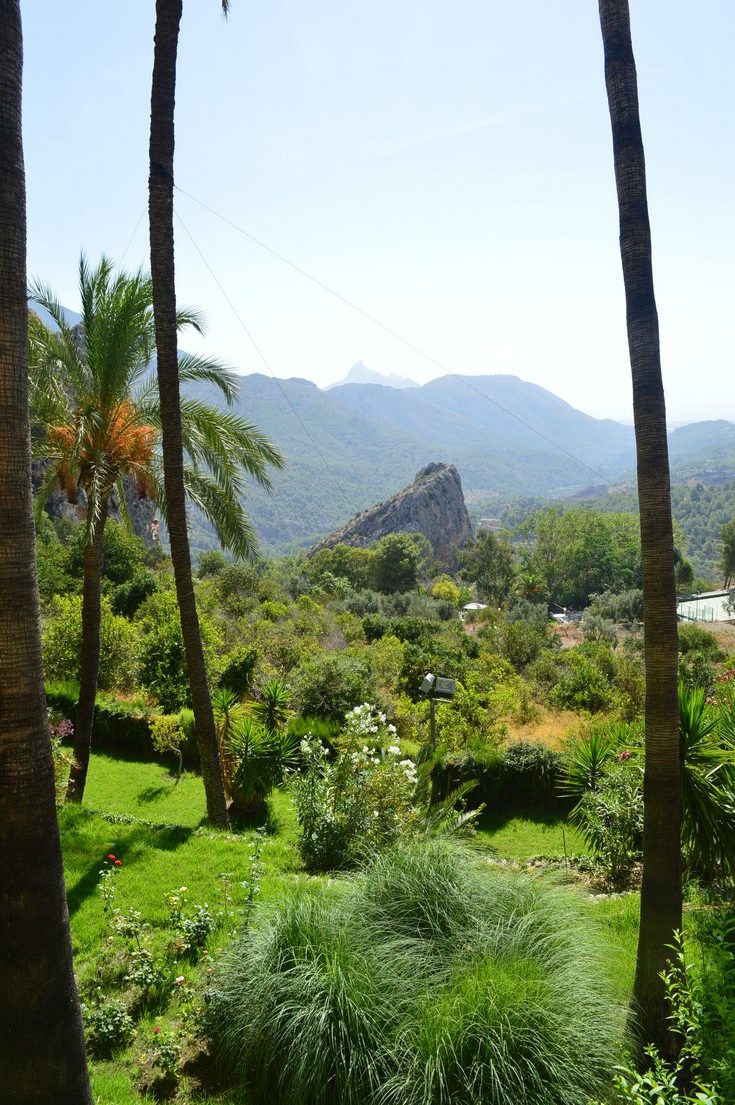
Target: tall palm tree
95	390
160	210
41	1038
661	894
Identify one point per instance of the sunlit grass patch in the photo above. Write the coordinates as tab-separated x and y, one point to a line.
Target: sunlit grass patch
516	837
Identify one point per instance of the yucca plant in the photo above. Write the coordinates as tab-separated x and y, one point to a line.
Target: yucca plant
273	708
261	757
254	750
707	784
589	757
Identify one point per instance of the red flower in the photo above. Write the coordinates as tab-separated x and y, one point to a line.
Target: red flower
118	863
156	1030
111	858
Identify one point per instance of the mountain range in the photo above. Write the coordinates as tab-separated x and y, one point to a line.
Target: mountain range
354	444
359	441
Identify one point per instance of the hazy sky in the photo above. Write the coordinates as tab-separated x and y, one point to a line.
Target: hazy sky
447	167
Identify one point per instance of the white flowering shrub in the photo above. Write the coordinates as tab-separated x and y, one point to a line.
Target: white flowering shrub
359	802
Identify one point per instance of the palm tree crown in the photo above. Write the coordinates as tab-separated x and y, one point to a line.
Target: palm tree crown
96	414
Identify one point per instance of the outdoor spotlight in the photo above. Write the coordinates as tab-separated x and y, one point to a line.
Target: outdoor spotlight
427	684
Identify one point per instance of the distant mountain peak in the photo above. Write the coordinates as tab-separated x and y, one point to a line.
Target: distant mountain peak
361	374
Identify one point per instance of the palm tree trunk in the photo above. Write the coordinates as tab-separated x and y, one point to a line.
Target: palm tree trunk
160	209
90	660
661	894
41	1039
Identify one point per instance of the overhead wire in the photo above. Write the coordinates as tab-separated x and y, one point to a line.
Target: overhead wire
350	506
394	334
130	239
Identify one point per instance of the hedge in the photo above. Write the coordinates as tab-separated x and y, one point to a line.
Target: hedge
119	725
520	777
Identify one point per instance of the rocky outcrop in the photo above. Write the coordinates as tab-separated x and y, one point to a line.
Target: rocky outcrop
433	505
141	510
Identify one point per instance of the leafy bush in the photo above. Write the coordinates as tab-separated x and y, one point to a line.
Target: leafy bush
447	590
579	678
530	772
167	735
238	670
597	628
520	776
211	563
129	596
163	660
692	638
331	684
108	1027
192	924
120	645
358	995
610	818
696	671
626	606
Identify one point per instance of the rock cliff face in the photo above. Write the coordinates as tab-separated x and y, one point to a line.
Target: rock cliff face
142	511
433	505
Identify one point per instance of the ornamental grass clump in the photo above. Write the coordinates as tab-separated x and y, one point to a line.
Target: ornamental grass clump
429	979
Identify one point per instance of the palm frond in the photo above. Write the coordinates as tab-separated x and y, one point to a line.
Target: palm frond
189	316
224	511
213	436
211	371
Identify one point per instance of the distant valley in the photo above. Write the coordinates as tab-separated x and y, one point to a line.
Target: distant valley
357	442
351	445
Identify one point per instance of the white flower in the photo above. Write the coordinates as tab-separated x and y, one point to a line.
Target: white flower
394	750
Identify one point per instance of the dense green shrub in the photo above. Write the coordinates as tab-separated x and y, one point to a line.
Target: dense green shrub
358	996
122	725
163	660
236	587
108	1027
697	671
692	638
129	596
580	678
52	563
598	629
211	563
610	818
626	606
330	684
238	670
120	645
396	561
362	603
523	775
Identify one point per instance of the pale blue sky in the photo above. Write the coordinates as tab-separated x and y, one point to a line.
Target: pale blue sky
446	167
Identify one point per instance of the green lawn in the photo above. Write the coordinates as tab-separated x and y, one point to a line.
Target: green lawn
147	790
523	837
